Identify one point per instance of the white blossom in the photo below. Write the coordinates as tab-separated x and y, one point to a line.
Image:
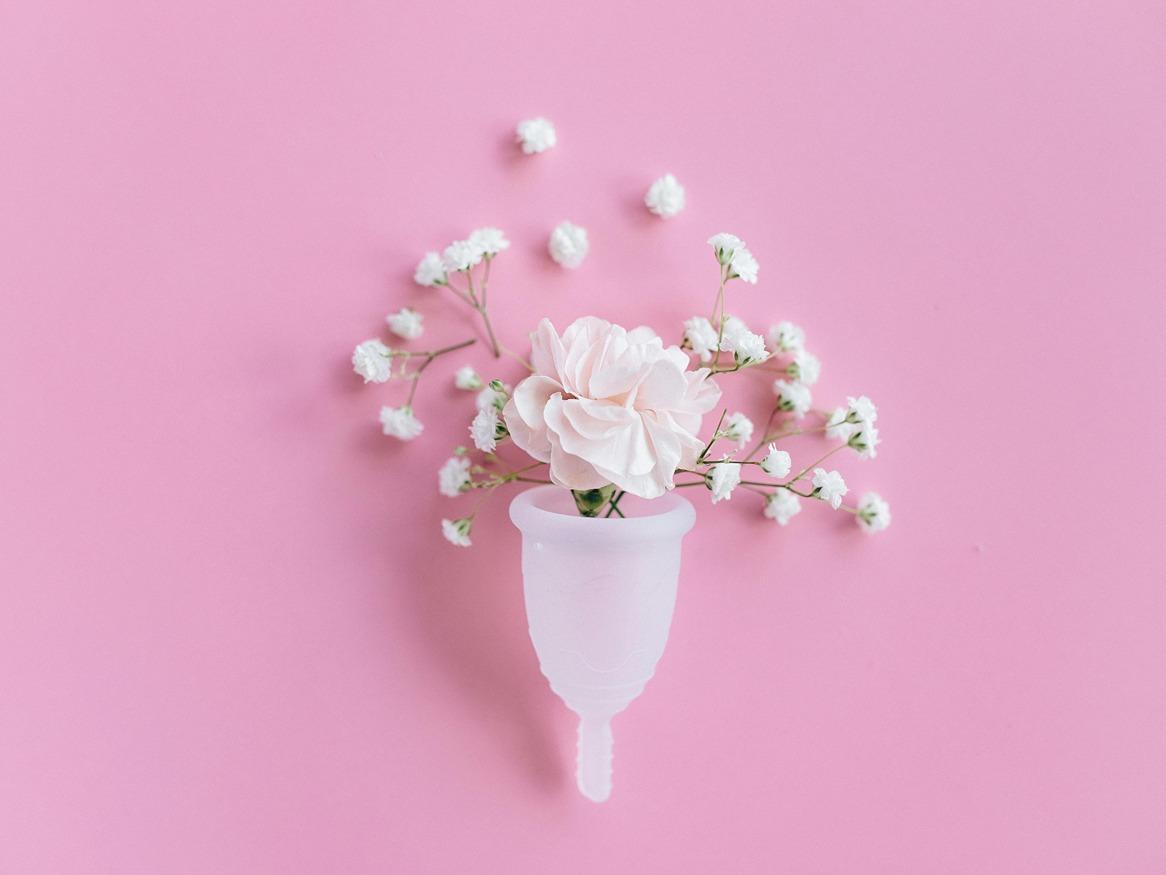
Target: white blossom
467	378
405	323
861	409
786	337
777	463
723	479
430	270
492	396
793	397
739	428
568	244
701	336
829	486
454	476
484	429
874	514
838	428
782	506
460	255
665	196
746	347
535	135
744	265
805	368
399	422
724	245
488	241
457	532
865	440
371	360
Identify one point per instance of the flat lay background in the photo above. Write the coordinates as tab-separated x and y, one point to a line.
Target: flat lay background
231	638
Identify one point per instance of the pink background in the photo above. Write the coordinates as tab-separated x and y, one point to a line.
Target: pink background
231	640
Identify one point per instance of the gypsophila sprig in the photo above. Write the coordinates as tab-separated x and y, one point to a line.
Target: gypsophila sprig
829	487
777	463
399	422
405	323
794	398
608	412
568	245
467	379
782	506
738	427
535	135
723	479
373	360
457	532
453	478
665	197
873	514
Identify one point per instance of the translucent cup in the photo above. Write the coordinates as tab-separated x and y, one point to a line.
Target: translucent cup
599	598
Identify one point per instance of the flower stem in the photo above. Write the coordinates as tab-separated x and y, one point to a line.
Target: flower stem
805	470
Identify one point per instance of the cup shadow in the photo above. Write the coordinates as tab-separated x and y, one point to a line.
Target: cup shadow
470	613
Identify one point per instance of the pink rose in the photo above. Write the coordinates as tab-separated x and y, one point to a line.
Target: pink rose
607	405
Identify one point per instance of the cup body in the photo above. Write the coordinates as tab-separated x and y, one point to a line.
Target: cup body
599	595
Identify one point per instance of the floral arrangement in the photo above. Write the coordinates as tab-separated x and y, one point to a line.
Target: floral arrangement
606	412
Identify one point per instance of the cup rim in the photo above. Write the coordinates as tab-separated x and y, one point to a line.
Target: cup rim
674	518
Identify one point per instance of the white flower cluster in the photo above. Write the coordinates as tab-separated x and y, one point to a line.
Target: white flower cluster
399	422
855	424
723	479
665	197
460	255
405	323
372	360
568	245
874	514
732	252
535	135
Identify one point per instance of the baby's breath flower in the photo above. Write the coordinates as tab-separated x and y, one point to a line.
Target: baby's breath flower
874	514
665	196
430	271
535	135
865	440
777	463
805	368
739	428
782	506
793	397
467	378
701	336
371	360
744	266
405	323
460	255
568	244
724	245
786	337
457	532
495	395
486	429
723	479
488	241
829	486
837	426
746	347
453	477
399	422
861	409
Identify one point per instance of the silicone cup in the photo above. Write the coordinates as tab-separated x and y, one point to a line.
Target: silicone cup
599	598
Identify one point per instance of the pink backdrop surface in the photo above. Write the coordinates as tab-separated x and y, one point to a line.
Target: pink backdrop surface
231	639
